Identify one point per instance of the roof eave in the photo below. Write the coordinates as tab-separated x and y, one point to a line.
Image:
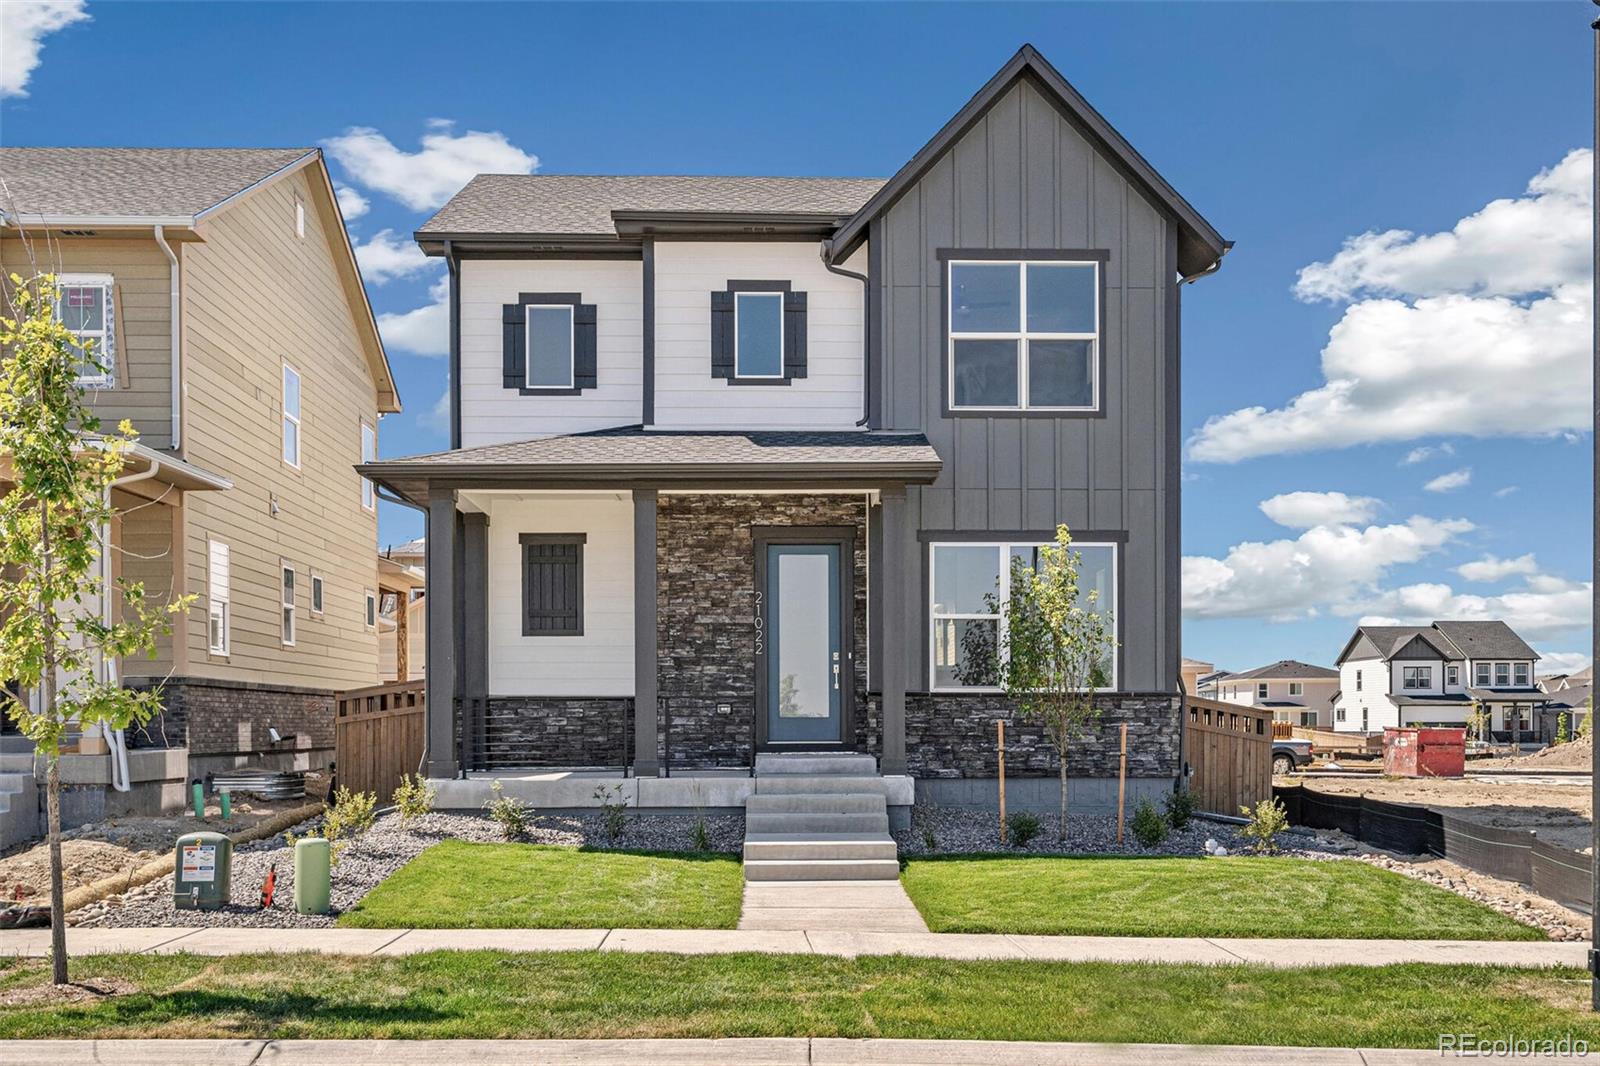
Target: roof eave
457	242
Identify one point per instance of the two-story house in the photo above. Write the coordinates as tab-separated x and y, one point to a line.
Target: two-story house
1296	692
1437	675
230	324
739	464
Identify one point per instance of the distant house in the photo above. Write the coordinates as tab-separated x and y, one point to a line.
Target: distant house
1436	675
1192	670
402	613
1295	692
1561	682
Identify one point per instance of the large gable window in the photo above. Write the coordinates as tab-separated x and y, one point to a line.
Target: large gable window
1023	334
86	307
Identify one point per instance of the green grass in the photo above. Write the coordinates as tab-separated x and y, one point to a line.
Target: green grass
456	885
1240	897
607	994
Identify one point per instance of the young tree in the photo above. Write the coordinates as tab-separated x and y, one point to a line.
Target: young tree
1056	648
52	520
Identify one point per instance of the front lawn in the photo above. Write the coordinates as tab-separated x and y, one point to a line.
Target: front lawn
1233	897
611	994
457	885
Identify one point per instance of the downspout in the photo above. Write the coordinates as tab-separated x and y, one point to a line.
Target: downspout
176	359
116	741
866	330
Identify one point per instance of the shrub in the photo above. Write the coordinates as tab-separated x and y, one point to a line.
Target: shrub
613	811
413	797
351	815
1149	827
508	812
1268	820
1588	720
700	836
1180	808
1562	733
1021	827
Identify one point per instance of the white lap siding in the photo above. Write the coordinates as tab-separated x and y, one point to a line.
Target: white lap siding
598	663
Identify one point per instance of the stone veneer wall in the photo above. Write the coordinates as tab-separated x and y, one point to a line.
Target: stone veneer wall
705	560
557	731
216	717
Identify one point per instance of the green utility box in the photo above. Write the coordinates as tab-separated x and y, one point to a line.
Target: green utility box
313	861
201	871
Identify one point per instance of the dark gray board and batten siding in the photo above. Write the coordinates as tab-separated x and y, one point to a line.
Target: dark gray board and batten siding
1022	177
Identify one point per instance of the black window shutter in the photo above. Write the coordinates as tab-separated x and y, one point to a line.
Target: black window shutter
552	589
585	369
794	334
722	334
514	354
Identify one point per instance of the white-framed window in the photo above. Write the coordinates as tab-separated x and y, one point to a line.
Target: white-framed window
369	453
1308	718
1261	690
370	609
758	334
969	589
317	594
1452	675
291	416
86	306
551	344
1502	675
1521	672
1480	674
299	217
1338	714
287	600
1358	680
1416	677
219	610
1023	335
1297	688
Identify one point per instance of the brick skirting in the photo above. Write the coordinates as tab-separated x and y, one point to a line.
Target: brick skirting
215	717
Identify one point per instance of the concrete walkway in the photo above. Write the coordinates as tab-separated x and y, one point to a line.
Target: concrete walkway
861	906
844	942
796	1051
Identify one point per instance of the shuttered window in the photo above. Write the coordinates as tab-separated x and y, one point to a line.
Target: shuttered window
552	584
548	345
758	333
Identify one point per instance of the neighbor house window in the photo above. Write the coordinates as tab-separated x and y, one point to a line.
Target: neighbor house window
1358	680
299	217
1261	690
1417	677
86	307
1023	335
969	590
1308	718
1296	688
1452	675
1480	673
552	584
551	343
287	600
1502	675
218	596
758	334
1338	714
370	609
291	416
369	453
316	593
1522	675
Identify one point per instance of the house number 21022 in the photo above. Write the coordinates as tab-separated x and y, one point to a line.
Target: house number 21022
760	626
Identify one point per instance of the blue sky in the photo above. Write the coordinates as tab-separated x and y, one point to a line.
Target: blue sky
1293	127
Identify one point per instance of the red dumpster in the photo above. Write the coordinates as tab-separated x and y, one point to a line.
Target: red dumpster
1416	752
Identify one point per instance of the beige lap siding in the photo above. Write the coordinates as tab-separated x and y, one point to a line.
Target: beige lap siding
256	296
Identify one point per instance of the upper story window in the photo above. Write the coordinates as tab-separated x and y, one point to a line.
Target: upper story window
1417	677
1297	688
1358	680
369	452
1024	335
1521	670
87	308
291	416
550	343
1452	675
299	217
1480	673
1261	690
1502	675
758	333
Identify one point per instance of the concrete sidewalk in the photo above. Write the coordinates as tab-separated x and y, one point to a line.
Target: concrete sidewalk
796	1051
860	906
35	943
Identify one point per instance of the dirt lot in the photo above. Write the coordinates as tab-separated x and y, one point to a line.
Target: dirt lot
119	846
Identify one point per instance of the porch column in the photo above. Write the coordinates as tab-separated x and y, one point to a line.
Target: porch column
443	611
646	686
474	664
896	629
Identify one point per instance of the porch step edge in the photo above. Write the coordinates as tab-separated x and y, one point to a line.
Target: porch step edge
821	870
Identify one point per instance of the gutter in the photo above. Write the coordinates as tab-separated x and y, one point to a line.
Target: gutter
866	328
1227	246
176	359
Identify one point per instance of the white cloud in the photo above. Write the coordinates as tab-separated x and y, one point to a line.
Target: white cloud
1547	606
1563	662
1333	567
1490	568
1503	492
423	330
428	177
1455	479
1427	451
384	257
1303	510
23	26
1483	331
351	203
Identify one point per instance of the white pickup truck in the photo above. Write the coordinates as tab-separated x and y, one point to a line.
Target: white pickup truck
1289	754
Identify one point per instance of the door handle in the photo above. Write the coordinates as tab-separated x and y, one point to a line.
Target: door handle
836	677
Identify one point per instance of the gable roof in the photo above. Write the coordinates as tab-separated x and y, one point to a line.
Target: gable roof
1451	641
1486	640
1388	641
1286	670
1200	246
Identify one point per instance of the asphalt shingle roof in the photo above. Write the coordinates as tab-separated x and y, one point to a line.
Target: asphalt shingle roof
582	203
1486	640
1286	669
141	182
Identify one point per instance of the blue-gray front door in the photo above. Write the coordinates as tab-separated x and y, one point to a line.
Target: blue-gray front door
807	665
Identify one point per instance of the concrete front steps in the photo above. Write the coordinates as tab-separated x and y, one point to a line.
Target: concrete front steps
818	818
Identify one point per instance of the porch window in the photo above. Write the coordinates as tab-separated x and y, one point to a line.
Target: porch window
552	584
969	591
1522	675
86	307
218	594
1308	718
1417	677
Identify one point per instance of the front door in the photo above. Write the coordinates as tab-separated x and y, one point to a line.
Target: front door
803	662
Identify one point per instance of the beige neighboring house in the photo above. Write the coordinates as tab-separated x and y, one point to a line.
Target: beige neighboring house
223	291
1296	692
402	612
1191	671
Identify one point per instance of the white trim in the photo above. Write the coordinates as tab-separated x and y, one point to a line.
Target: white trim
572	346
319	594
299	425
1021	336
369	608
369	492
288	621
219	606
783	352
104	338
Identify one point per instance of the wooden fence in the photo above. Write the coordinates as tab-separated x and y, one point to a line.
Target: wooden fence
1230	754
378	736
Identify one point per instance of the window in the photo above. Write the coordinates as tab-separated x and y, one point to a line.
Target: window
291	416
218	594
299	217
287	600
1417	677
1452	675
551	342
1338	714
1024	335
552	584
86	307
1261	690
1522	675
1358	680
370	609
1308	718
1297	688
1502	675
316	593
369	453
968	600
1480	674
758	334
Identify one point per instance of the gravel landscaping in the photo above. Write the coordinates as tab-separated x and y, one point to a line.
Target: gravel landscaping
960	830
375	855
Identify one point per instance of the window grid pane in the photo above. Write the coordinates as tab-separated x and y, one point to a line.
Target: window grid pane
1051	363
